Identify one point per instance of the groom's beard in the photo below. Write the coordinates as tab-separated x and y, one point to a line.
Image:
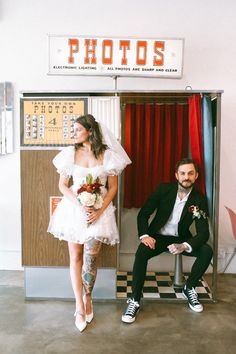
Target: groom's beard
185	187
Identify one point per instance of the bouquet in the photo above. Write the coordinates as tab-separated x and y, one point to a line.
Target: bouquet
89	194
197	212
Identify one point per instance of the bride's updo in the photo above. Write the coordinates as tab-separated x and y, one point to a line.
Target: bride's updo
91	125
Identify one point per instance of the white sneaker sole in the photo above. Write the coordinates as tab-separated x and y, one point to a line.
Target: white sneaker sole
127	319
194	308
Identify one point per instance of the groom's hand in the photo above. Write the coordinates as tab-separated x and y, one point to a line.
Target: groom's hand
149	242
176	248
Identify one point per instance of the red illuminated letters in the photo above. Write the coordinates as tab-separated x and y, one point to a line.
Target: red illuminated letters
90	45
107	46
124	52
141	47
124	45
158	61
74	48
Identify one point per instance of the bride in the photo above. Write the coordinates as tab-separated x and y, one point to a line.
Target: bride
96	155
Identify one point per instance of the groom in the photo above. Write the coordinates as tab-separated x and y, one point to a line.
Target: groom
176	207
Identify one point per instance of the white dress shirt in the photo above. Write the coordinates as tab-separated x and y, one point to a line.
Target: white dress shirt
171	227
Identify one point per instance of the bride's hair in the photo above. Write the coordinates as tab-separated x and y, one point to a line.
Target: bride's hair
91	125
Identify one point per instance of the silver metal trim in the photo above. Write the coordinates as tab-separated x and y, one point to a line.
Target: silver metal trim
34	147
189	92
54	283
216	192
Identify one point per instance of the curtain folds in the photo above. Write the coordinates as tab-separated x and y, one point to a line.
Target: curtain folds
156	137
196	137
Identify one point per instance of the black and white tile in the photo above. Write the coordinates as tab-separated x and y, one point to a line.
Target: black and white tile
158	285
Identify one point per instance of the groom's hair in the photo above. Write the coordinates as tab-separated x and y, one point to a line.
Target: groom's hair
186	161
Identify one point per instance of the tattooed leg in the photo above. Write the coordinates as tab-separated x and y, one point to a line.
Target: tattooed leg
89	270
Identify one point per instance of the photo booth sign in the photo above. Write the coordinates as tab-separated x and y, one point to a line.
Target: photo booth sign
50	121
90	55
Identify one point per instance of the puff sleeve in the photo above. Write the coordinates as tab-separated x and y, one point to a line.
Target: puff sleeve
64	161
114	163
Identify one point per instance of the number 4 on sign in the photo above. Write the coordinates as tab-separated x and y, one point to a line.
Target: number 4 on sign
52	121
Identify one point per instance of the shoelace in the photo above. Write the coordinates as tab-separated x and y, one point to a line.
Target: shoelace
133	305
193	296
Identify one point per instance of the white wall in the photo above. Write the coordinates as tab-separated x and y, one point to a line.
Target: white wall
209	63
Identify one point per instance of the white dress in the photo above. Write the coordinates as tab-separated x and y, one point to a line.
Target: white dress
68	221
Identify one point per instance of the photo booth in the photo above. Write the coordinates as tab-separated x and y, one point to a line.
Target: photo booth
156	129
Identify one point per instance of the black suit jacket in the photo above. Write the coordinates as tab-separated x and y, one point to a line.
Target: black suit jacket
162	201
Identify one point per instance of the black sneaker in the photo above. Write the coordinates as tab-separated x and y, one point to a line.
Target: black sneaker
131	311
192	297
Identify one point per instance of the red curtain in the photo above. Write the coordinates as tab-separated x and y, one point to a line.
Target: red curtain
196	137
155	138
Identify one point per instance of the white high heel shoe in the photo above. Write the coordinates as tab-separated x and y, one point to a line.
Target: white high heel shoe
89	317
80	325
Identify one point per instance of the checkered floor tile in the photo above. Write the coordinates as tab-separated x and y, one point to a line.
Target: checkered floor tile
158	286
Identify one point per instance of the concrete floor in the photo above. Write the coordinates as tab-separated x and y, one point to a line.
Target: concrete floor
47	327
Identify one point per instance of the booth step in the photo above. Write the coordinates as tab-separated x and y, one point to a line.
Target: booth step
158	285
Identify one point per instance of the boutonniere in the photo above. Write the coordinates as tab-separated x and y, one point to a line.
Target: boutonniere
197	213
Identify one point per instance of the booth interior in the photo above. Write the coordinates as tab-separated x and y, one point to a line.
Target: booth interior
156	129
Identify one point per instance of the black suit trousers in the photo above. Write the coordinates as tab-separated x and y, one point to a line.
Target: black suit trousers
203	258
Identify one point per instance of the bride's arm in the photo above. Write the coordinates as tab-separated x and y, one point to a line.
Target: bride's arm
112	190
65	190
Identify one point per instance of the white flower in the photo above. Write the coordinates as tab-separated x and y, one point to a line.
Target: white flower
197	213
98	202
87	199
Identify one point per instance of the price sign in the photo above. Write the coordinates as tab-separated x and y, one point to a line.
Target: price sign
50	121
